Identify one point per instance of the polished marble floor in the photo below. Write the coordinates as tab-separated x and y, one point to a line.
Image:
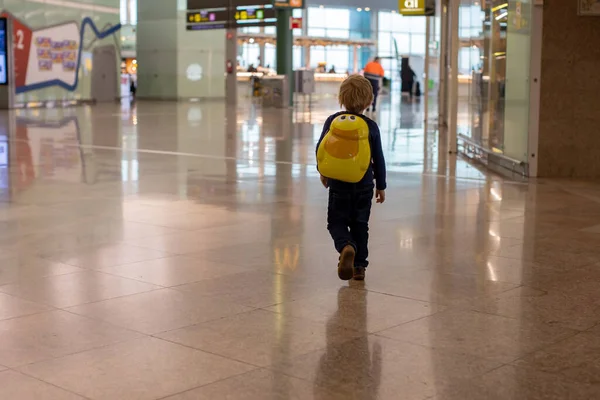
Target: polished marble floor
179	251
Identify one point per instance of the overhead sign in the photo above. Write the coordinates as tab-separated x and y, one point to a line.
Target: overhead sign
288	3
229	14
255	16
215	18
416	7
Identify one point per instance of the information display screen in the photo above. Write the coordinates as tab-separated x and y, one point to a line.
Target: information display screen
224	14
3	52
255	16
208	19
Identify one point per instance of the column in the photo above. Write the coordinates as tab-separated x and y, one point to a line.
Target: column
174	63
285	49
307	57
454	44
569	143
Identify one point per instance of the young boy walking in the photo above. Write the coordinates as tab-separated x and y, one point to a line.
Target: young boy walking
349	206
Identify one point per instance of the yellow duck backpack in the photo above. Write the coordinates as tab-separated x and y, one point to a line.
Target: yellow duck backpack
345	152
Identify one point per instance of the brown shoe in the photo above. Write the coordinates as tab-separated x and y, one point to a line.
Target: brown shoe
346	264
359	273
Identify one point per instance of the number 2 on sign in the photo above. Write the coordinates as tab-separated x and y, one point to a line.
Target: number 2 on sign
20	45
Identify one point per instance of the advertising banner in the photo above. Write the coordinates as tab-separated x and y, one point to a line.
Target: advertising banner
50	56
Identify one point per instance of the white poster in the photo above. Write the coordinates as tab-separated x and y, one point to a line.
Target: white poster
54	54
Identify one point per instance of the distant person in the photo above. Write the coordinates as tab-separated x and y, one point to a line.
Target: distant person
407	75
132	87
351	169
332	69
374	73
252	68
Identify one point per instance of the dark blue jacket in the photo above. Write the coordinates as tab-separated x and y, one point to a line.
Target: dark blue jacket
376	171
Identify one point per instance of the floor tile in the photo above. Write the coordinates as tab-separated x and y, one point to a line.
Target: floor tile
378	368
575	358
436	287
11	307
20	269
570	310
77	288
173	271
357	309
250	337
186	242
111	228
195	220
140	369
253	255
159	310
511	383
257	288
106	256
53	334
14	385
260	385
489	336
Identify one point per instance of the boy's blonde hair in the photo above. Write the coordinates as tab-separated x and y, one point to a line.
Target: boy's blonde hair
356	94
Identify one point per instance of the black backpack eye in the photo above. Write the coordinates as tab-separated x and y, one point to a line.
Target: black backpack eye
343	118
353	118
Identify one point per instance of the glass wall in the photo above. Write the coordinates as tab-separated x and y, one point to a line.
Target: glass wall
249	53
323	22
401	36
494	60
128	12
328	22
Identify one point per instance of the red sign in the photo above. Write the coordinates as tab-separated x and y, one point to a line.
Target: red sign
295	23
22	44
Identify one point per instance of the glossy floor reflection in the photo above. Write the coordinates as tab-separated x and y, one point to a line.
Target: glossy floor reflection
179	251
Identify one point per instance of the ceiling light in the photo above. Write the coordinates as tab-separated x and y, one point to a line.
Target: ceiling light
359	9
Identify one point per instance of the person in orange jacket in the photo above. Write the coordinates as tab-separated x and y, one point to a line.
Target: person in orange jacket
374	73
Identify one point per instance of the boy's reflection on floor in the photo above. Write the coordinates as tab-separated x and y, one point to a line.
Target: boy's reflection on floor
353	367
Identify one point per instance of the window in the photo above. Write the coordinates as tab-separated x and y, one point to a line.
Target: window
251	29
250	55
298	59
400	36
328	22
270	56
128	10
417	44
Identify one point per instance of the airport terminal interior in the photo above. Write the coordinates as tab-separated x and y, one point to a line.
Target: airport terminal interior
173	243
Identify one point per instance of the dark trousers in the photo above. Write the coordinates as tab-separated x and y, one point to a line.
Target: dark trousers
375	85
348	221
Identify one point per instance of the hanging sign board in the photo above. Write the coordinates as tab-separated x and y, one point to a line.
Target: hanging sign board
255	16
211	18
418	8
219	14
288	3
